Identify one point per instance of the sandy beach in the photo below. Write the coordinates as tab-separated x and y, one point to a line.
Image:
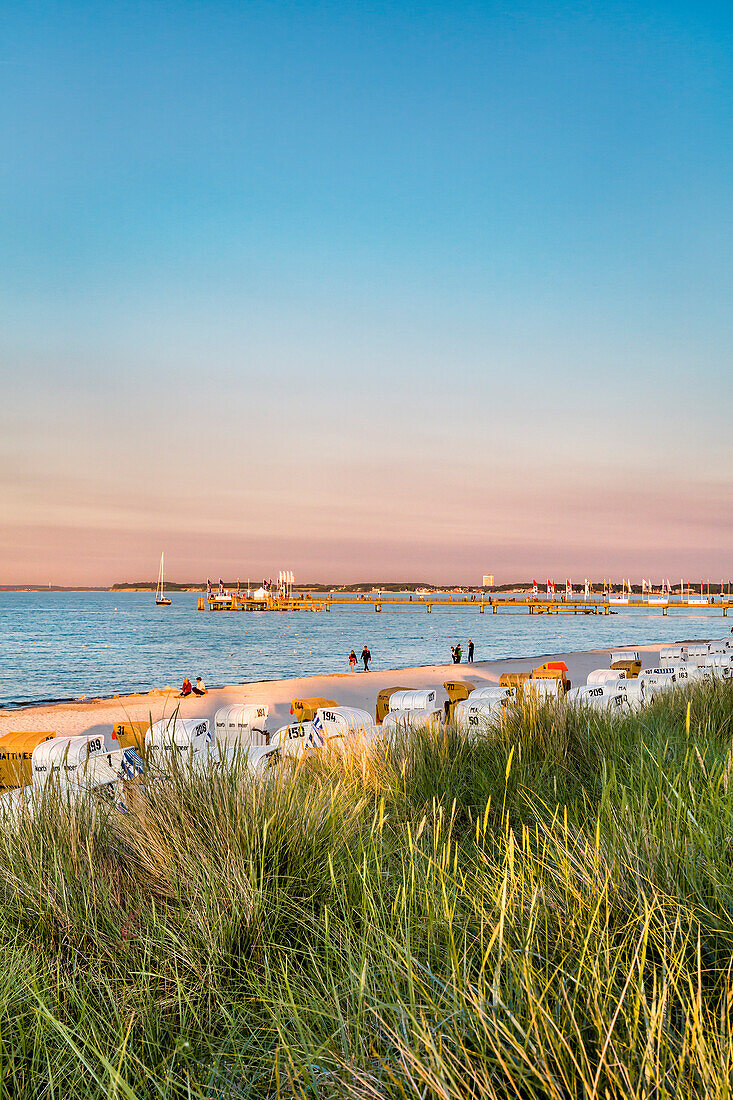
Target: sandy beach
348	689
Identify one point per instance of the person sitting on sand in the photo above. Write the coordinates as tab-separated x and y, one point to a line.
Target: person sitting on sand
200	688
186	689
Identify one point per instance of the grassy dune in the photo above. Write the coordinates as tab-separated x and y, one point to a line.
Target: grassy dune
546	913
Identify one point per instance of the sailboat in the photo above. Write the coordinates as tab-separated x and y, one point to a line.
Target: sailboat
161	599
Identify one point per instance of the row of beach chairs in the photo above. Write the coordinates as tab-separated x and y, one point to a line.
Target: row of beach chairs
28	761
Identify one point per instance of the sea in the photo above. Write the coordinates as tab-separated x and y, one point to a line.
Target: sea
61	646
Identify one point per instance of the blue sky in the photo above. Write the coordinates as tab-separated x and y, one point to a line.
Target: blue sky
402	269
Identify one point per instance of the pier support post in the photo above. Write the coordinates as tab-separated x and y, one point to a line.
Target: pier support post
377	607
494	607
430	608
481	609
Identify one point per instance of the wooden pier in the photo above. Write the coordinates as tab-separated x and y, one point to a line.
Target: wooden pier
534	605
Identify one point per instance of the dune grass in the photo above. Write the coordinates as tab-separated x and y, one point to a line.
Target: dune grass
547	912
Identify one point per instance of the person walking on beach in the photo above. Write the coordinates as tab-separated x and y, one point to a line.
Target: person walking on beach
366	657
200	687
470	652
352	661
459	653
186	689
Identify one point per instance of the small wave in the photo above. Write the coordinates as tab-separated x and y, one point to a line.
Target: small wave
17	704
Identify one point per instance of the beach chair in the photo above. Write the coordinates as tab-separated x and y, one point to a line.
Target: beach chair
552	670
383	698
417	718
61	757
16	755
241	724
515	680
413	699
305	709
457	691
477	716
184	738
130	735
628	661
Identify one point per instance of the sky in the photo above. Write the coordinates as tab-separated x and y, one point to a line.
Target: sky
373	291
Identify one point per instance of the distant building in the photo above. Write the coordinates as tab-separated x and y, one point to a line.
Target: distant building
488	580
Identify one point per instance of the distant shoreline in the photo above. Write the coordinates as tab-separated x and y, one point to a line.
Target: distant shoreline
173	586
361	587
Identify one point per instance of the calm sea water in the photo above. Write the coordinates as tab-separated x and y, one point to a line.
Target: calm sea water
56	646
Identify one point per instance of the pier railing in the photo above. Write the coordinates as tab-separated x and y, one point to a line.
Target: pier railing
592	605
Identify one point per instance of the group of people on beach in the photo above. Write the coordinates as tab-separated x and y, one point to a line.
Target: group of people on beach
456	656
366	657
199	688
456	652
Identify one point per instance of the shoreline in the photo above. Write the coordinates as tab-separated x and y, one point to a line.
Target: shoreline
358	689
11	707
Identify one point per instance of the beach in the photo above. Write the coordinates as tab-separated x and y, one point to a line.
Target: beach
358	689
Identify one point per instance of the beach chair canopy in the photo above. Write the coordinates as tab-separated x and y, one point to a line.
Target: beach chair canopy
605	696
241	723
182	734
457	690
672	653
62	756
131	735
543	688
514	679
383	698
414	719
493	691
16	755
299	738
305	709
620	656
413	699
654	682
679	671
345	720
604	675
477	714
697	651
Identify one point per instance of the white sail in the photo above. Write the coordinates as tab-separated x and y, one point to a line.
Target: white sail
160	596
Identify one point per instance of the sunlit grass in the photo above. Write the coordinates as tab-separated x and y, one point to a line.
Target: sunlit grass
546	912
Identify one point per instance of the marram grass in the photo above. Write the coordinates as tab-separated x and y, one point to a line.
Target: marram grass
547	912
